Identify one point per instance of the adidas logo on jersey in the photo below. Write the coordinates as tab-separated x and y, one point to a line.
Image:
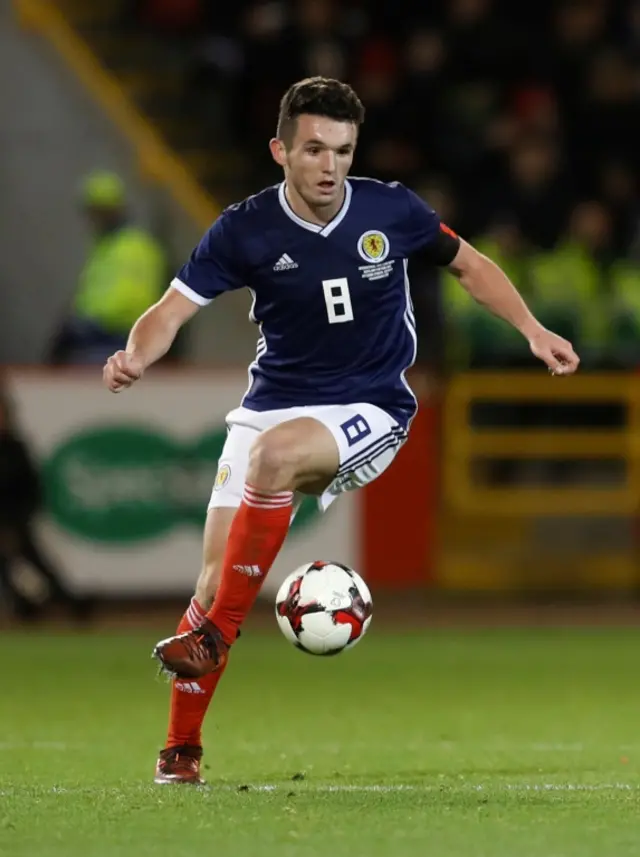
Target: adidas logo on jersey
285	263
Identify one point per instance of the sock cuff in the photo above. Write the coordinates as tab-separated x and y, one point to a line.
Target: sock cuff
266	499
195	614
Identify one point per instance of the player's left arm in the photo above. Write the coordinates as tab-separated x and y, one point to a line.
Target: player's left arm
483	279
487	283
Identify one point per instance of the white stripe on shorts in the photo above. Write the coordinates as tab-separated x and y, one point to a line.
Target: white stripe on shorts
392	438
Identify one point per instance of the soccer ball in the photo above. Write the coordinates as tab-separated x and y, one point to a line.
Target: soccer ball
324	608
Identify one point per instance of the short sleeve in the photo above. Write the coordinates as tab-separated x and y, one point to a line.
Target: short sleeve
426	234
214	266
422	224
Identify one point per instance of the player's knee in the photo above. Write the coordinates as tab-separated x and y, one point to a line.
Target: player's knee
274	457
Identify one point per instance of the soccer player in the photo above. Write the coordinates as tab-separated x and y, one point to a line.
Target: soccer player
328	405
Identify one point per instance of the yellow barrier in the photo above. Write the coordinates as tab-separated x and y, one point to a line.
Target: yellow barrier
463	443
490	535
155	158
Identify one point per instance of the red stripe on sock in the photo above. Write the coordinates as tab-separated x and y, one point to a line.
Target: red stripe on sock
195	614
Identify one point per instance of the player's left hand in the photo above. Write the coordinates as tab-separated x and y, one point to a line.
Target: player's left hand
555	351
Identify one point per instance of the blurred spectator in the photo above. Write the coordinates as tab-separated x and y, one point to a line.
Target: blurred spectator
418	95
439	193
578	28
522	110
537	191
607	121
462	87
123	275
170	15
570	281
630	29
387	148
536	111
618	187
475	337
484	42
318	39
283	42
20	500
624	343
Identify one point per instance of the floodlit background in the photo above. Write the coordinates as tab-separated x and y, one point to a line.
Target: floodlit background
127	125
143	118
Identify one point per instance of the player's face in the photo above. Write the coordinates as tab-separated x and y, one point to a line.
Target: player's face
319	158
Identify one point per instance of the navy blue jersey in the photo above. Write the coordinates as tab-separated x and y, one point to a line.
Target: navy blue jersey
332	302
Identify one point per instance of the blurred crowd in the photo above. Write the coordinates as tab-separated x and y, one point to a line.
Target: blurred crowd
519	122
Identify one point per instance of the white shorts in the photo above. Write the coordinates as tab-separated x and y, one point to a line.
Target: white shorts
368	440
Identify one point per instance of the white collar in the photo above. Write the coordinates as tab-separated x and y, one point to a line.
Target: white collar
328	228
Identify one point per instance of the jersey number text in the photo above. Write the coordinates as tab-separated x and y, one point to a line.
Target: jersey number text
338	300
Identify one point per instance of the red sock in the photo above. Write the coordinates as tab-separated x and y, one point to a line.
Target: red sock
257	532
190	699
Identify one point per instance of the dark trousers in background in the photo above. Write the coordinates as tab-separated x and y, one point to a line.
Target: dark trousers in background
19	543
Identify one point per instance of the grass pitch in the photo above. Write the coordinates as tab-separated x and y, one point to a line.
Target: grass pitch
514	743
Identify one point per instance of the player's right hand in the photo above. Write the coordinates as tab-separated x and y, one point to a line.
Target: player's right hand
121	370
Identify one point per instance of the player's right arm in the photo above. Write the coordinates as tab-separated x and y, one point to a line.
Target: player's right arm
151	337
213	268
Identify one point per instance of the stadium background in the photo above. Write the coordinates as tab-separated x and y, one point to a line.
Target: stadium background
514	505
520	125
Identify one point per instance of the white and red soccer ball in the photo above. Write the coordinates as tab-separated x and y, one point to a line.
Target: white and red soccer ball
324	608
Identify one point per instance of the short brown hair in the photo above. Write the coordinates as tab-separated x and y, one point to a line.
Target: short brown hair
318	96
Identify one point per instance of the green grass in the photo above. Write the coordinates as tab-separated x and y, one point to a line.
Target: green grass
481	744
